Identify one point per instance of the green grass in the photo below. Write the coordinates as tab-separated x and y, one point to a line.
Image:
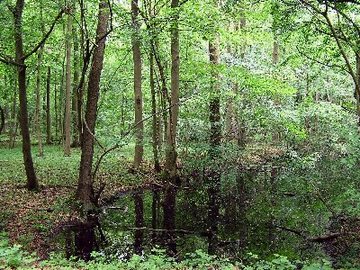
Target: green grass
56	169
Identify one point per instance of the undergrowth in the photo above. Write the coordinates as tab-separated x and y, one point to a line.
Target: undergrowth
14	257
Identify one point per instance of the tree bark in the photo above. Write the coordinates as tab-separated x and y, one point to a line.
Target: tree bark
67	123
32	182
139	131
48	107
85	192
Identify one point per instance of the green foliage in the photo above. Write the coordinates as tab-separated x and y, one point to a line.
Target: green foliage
13	256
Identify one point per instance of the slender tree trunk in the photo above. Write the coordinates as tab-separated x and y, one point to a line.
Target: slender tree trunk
38	89
38	103
75	96
2	119
154	110
139	132
155	118
61	102
214	175
67	123
48	107
174	100
32	183
14	120
275	53
56	105
171	155
85	192
357	91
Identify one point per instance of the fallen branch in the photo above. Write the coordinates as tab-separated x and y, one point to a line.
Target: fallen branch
316	239
324	238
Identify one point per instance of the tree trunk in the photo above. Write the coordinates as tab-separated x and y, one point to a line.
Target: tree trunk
174	100
275	53
67	123
75	96
85	192
357	91
14	120
155	118
139	129
48	108
32	183
56	105
154	109
38	103
61	102
214	175
2	119
171	155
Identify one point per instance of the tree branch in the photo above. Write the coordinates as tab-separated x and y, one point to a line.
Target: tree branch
46	36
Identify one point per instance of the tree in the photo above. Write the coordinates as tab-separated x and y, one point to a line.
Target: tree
171	154
214	175
48	107
38	89
342	39
139	134
67	118
19	62
2	119
85	190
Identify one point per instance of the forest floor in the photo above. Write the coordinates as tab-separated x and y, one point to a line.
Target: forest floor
29	218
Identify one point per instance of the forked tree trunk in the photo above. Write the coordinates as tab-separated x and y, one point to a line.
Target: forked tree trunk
85	192
139	130
67	123
32	183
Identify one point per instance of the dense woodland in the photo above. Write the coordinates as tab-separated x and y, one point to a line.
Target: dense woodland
180	134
